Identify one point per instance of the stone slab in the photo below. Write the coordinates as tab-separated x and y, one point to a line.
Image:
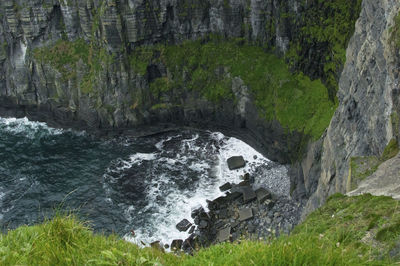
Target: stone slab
224	234
236	162
245	214
248	194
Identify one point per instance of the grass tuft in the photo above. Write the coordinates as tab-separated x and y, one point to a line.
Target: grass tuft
362	230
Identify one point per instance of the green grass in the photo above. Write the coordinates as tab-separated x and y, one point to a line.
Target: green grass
395	32
326	25
360	230
208	67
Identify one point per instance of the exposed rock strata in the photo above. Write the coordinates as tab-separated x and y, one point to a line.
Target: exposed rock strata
366	119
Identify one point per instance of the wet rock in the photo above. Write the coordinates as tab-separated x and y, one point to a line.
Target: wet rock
224	234
223	214
225	187
176	244
245	177
245	214
263	194
192	229
248	194
236	162
183	225
166	246
197	210
233	196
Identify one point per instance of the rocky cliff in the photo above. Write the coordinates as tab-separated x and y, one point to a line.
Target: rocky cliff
108	64
364	130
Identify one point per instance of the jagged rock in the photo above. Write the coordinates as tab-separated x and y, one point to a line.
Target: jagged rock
183	225
236	162
203	224
196	211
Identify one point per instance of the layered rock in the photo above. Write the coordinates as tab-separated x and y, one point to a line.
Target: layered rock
366	119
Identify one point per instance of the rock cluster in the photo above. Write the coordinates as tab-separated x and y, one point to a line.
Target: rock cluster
241	213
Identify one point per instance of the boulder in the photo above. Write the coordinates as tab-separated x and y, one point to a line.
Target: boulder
245	214
203	224
192	229
225	187
176	244
263	194
236	162
224	234
248	194
183	225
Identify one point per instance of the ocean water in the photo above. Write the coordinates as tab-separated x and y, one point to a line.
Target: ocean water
143	184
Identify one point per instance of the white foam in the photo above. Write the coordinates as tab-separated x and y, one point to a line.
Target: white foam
177	204
31	129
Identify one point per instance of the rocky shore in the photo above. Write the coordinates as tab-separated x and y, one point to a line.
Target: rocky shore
242	213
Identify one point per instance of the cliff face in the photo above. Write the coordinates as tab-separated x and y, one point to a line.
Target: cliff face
366	120
123	64
87	61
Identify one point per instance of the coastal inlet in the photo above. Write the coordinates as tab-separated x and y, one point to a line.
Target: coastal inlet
122	185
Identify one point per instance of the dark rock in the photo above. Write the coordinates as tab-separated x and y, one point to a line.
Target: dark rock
269	203
224	234
245	214
219	224
251	228
156	245
183	225
192	229
225	187
197	210
234	224
223	214
236	162
248	194
233	196
166	246
203	224
246	177
263	194
244	183
176	244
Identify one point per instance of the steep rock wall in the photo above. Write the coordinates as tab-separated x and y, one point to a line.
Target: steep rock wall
367	117
98	86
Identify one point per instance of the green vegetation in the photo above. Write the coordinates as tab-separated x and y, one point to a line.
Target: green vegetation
326	27
364	166
395	32
360	230
209	68
65	57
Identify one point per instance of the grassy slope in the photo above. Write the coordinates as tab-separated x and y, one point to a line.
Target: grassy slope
358	230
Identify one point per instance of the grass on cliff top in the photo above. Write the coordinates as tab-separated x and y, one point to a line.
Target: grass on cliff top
362	230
